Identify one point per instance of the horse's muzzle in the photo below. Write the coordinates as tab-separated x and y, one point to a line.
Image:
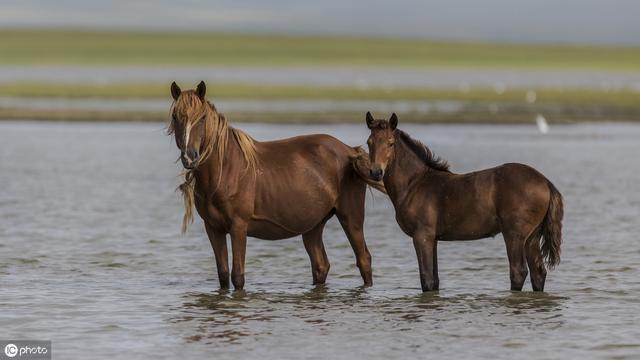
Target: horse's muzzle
376	174
189	159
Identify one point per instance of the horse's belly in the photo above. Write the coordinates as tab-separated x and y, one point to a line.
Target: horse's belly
471	228
267	230
287	209
462	236
294	219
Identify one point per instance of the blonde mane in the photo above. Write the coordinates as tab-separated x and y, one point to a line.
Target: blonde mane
192	110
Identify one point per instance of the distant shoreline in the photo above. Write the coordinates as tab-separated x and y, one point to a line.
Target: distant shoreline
320	104
511	117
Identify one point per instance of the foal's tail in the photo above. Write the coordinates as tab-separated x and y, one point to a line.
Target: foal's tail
552	228
362	165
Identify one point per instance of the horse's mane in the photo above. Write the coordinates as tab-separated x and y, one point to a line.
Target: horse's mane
423	152
215	142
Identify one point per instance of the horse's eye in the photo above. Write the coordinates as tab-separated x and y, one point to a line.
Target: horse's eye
392	143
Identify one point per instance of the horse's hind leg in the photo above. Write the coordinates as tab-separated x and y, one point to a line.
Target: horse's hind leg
515	241
535	261
350	213
318	256
353	229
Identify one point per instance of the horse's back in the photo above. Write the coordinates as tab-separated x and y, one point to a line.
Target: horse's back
324	153
314	144
520	177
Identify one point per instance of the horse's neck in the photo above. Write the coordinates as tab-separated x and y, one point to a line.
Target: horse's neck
404	168
211	173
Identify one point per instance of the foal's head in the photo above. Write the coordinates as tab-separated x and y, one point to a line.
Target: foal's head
188	123
381	144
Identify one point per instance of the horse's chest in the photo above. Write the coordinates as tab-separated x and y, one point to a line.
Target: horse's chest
406	219
213	212
413	213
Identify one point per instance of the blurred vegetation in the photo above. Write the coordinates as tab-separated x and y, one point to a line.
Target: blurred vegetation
470	115
579	96
46	47
479	105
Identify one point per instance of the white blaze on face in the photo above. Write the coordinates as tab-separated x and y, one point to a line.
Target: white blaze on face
187	132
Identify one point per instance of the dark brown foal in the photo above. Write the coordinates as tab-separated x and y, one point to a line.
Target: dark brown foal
433	204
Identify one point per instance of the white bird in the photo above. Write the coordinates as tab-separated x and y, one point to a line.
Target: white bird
543	127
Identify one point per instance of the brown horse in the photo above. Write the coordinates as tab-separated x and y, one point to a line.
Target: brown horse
432	204
268	190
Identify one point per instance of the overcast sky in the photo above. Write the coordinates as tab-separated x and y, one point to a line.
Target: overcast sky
566	21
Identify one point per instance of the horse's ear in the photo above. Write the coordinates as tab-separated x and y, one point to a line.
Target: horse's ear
201	90
393	121
175	91
370	120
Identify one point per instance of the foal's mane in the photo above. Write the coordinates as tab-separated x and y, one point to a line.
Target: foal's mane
423	152
214	142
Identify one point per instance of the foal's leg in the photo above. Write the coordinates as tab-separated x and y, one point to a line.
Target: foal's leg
436	278
425	244
219	244
514	240
318	256
535	261
238	248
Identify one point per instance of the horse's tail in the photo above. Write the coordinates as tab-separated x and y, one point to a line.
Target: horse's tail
362	165
552	228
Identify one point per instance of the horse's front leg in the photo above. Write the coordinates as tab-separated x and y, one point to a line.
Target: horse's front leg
239	249
219	244
424	243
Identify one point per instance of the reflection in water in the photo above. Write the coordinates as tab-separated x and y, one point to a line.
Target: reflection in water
232	315
222	313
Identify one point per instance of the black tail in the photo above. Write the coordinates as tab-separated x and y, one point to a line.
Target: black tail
552	228
362	165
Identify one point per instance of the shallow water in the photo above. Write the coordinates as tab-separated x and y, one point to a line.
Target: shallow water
91	257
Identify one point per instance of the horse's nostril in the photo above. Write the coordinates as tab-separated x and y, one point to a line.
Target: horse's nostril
193	155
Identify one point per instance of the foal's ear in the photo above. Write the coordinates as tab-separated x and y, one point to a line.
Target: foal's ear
175	91
201	90
370	120
393	121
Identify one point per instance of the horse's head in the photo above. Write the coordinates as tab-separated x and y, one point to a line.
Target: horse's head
381	144
188	122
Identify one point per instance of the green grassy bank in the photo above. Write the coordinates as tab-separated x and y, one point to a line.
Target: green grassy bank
27	47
